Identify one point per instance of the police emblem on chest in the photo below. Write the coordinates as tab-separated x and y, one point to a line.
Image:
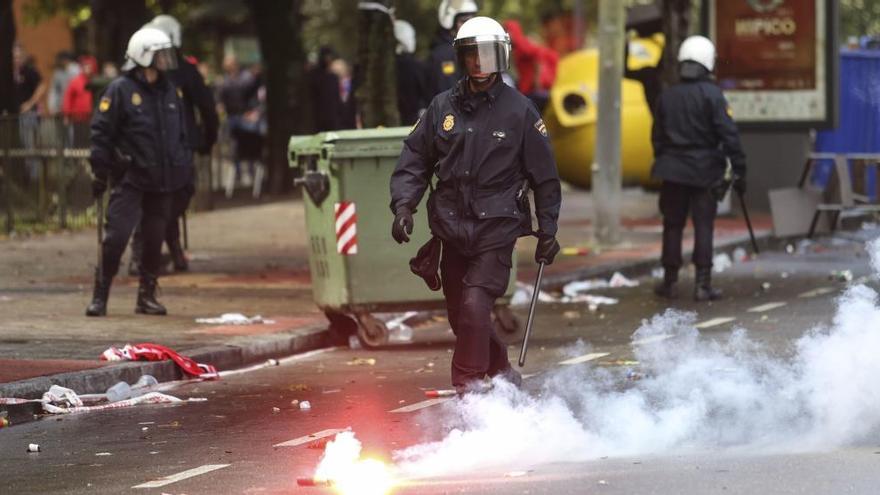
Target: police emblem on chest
448	123
136	99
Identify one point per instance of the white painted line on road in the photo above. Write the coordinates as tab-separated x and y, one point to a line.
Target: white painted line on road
174	478
651	340
817	292
309	438
583	359
714	322
420	405
766	307
288	359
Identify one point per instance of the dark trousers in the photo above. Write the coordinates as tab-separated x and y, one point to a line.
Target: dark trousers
179	203
675	202
471	284
127	208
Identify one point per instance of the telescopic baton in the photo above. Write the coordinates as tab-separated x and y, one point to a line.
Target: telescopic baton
525	344
185	232
742	204
100	208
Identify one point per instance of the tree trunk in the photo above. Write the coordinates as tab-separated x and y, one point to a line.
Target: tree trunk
289	110
112	24
7	38
377	84
676	17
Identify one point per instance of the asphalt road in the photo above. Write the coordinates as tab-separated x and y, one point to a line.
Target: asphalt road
715	410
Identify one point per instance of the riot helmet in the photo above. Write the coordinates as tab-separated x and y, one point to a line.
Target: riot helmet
698	49
450	9
406	36
150	47
168	25
482	47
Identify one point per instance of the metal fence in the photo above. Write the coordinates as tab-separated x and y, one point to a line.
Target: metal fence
44	174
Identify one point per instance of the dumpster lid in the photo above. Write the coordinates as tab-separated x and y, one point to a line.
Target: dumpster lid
352	143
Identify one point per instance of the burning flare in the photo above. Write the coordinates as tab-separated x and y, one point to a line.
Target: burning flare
348	474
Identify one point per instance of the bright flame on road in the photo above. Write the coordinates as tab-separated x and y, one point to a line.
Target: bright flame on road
344	469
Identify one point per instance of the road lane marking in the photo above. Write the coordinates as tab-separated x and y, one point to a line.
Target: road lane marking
309	438
583	359
817	292
651	340
714	322
766	307
174	478
420	405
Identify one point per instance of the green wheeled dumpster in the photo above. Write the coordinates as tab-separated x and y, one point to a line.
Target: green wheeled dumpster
357	269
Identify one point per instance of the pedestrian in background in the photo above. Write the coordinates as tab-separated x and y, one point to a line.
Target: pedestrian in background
486	143
348	118
324	91
412	90
200	117
141	151
65	70
693	136
236	94
443	70
28	89
77	102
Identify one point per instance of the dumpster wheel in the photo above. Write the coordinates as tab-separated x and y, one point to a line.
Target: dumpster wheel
371	331
505	320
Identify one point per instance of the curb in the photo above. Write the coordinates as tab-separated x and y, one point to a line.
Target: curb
224	357
643	266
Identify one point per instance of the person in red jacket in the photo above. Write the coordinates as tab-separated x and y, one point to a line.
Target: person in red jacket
535	65
77	103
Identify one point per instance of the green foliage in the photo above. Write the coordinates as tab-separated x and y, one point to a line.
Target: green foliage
859	17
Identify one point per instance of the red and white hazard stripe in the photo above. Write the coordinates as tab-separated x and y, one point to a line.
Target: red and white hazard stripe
346	228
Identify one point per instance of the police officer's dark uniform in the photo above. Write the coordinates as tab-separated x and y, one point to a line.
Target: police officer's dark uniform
139	147
482	147
693	135
443	71
202	135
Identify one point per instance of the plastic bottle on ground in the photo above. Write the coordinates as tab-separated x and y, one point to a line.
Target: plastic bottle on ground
118	392
145	381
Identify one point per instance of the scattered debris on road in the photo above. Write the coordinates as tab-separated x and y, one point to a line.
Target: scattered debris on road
235	319
362	362
156	352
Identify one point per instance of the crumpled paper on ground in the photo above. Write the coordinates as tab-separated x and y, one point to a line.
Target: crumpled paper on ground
235	319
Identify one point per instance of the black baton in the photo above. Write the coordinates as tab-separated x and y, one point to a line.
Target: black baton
742	204
525	344
100	207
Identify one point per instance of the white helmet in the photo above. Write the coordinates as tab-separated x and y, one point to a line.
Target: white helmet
406	36
168	25
698	49
485	38
150	47
450	9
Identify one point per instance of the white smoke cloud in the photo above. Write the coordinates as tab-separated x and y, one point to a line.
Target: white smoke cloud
698	394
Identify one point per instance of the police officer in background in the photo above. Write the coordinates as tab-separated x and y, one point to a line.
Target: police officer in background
443	70
140	149
693	137
412	92
485	142
202	134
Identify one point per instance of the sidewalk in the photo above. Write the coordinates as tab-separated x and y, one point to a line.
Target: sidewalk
251	260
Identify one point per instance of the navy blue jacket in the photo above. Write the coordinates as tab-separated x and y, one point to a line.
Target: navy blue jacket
693	134
483	148
138	134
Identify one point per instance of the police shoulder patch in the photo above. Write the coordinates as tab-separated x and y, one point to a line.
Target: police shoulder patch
179	92
448	68
104	105
539	125
136	99
729	111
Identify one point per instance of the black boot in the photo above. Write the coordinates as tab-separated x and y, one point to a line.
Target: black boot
101	293
178	257
703	290
146	301
667	289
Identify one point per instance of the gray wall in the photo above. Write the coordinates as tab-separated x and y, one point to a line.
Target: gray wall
774	159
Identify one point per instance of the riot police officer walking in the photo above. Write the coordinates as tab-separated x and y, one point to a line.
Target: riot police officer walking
141	151
201	132
486	143
443	69
693	136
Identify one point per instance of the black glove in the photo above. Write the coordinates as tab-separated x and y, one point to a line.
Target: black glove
403	225
739	185
546	250
99	185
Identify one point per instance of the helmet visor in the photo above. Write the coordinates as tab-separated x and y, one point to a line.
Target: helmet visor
164	59
484	57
